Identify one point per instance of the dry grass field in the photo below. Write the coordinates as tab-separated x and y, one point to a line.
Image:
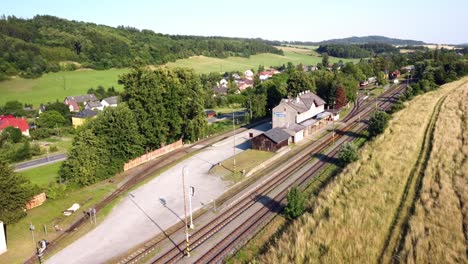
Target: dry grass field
437	231
353	219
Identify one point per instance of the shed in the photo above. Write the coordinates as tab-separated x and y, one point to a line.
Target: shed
210	113
272	140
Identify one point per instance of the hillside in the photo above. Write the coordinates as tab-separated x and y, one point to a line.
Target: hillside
364	40
50	44
362	215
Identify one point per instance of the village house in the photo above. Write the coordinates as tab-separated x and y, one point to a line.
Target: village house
74	101
248	74
81	117
112	101
20	123
244	84
94	105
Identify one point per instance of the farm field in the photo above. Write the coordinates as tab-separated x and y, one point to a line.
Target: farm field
204	64
58	85
362	214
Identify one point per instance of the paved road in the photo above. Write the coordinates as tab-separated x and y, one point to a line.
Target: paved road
40	162
155	206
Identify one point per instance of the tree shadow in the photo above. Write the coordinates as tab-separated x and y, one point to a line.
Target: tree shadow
349	134
325	158
156	224
271	204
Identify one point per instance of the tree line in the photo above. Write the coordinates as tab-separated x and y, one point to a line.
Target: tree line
356	51
35	46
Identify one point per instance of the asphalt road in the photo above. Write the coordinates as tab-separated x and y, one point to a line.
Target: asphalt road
40	162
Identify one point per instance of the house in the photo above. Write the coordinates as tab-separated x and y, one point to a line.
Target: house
395	74
81	117
20	123
294	111
74	101
94	105
244	84
110	101
265	75
220	90
370	80
272	140
210	113
236	76
223	83
249	74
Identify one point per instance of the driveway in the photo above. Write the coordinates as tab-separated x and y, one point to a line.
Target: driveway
155	206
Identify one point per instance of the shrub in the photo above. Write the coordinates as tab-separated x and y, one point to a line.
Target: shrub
13	134
377	123
348	153
295	206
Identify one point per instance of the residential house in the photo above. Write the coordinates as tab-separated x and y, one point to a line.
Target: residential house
220	90
81	117
112	101
210	113
249	74
395	74
20	123
94	105
265	75
244	84
74	101
272	140
236	76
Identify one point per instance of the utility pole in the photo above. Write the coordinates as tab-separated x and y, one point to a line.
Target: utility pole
192	192
184	171
234	147
32	228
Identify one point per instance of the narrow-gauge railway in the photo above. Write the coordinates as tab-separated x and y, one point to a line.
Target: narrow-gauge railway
176	252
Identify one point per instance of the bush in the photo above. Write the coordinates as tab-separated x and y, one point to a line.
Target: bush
378	123
348	153
295	206
35	150
13	134
53	148
40	133
56	191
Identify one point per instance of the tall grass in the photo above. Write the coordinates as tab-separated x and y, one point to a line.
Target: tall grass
437	230
349	219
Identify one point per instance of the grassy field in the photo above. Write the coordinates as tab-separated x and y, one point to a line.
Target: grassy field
350	219
437	229
57	85
20	245
43	175
204	64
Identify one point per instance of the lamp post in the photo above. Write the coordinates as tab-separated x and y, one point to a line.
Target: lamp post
185	171
234	146
32	228
192	192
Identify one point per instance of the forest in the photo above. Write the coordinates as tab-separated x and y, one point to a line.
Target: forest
31	47
356	51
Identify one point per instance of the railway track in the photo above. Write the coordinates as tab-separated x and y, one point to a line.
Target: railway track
175	253
228	244
142	175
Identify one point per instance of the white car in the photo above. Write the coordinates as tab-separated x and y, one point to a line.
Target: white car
71	210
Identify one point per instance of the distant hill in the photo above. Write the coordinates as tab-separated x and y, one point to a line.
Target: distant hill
48	44
364	40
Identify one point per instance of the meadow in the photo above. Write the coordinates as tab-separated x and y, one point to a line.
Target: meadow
56	86
436	230
351	219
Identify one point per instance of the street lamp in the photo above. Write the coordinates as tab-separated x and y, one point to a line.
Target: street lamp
234	147
192	192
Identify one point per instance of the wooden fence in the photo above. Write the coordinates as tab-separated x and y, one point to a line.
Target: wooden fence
152	155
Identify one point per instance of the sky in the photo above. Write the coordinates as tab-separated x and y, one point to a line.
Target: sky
441	22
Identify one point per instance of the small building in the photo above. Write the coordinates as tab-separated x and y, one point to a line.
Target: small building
272	140
244	84
94	105
112	101
334	114
210	113
395	74
81	117
20	123
74	101
296	131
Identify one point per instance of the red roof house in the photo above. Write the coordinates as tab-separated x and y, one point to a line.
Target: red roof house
20	123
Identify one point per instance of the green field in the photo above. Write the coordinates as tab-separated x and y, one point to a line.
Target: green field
204	64
57	85
42	175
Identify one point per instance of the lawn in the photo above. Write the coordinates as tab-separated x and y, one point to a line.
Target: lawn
20	245
53	86
42	175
